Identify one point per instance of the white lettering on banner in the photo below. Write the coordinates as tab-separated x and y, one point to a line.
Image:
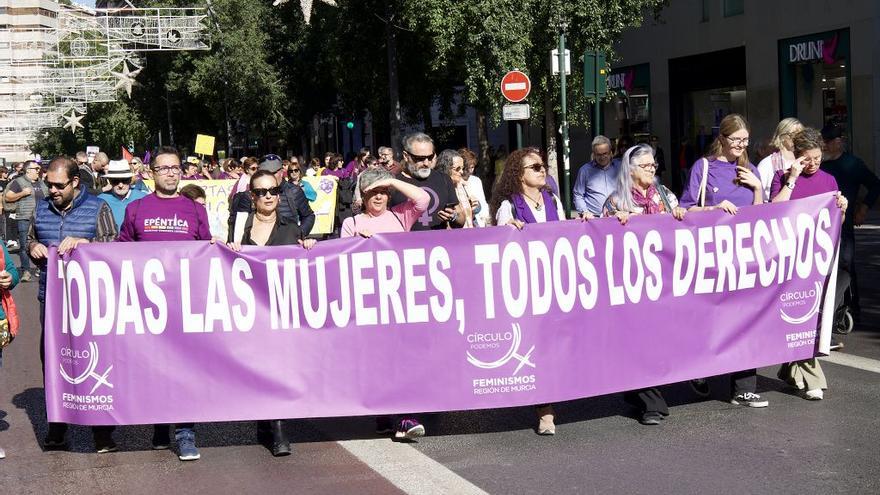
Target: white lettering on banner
531	277
379	276
803	249
123	306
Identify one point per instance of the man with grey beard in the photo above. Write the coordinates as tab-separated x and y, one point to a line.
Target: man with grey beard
419	160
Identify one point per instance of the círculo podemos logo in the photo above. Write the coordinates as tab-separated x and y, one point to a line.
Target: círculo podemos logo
497	350
72	359
803	302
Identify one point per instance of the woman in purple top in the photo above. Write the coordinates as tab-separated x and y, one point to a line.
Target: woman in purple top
803	179
725	179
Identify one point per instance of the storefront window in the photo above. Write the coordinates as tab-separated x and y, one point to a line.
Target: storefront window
628	112
703	111
814	78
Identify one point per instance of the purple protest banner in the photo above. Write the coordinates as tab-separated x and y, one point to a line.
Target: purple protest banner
434	321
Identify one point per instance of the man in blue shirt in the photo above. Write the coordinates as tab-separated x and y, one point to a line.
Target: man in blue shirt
119	175
596	179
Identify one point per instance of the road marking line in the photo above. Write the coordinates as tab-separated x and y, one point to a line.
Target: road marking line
408	469
852	361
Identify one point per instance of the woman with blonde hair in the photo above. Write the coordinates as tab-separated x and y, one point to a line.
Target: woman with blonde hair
782	158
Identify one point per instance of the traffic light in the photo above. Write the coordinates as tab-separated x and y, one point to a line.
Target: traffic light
349	125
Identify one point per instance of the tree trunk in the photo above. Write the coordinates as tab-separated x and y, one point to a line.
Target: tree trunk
485	167
393	84
553	158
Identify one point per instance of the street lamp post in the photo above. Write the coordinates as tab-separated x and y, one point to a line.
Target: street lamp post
563	127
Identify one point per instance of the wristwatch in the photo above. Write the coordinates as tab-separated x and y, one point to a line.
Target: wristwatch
790	185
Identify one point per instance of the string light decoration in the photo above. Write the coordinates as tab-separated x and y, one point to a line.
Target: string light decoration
50	74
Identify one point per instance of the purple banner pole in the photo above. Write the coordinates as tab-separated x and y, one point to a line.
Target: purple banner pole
434	321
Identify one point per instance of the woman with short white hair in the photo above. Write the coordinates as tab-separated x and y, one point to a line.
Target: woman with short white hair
781	159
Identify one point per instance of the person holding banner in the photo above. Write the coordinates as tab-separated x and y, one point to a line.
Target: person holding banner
451	163
165	215
804	178
520	196
70	217
266	227
725	179
376	185
638	192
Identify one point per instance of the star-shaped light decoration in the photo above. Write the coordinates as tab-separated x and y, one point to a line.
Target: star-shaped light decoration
306	6
125	78
73	121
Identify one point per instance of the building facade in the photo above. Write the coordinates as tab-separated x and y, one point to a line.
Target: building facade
679	75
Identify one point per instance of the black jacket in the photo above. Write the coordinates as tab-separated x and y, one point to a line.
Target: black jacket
284	233
292	206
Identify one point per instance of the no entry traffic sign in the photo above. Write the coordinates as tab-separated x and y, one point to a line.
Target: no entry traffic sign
515	86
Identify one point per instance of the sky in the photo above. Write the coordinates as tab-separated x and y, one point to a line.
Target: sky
87	3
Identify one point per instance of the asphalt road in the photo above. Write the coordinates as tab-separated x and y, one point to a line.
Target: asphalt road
705	446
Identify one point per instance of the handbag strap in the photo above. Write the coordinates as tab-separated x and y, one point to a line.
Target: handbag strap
704	182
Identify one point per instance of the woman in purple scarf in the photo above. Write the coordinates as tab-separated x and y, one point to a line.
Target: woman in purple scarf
519	197
638	193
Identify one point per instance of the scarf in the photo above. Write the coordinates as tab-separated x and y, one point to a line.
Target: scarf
523	213
645	201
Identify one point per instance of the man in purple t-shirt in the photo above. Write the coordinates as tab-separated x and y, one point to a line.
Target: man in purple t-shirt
167	216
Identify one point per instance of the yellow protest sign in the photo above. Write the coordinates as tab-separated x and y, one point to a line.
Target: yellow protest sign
204	145
324	205
216	202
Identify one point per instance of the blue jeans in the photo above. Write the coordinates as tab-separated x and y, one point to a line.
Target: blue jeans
23	228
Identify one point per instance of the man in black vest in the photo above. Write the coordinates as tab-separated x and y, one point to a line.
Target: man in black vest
83	218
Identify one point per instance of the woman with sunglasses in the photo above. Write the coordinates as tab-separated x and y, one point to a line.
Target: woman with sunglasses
637	193
265	227
725	179
451	163
520	196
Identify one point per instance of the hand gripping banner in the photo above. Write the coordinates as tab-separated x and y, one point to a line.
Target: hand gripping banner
434	321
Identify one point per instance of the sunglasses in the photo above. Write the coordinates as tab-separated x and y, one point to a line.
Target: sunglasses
58	185
420	158
538	167
118	181
262	191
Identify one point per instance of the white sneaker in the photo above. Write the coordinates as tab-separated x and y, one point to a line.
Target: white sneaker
815	394
2	454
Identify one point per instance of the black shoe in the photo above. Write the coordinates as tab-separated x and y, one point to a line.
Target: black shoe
55	438
651	418
104	440
700	386
280	444
384	425
161	437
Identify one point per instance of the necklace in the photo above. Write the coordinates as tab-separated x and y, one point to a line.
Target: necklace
538	205
265	219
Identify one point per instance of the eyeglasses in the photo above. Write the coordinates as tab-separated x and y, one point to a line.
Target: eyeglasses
252	169
119	181
32	169
262	191
537	167
167	170
58	185
457	169
420	158
646	166
738	141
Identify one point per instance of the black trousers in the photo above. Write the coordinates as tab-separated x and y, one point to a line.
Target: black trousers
647	400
